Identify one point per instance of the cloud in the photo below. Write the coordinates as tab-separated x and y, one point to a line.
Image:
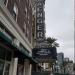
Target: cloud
60	24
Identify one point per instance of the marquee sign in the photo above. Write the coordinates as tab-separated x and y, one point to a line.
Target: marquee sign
44	54
40	25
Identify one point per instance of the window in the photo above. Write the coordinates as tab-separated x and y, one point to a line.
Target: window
27	33
15	12
24	28
28	19
26	12
4	68
5	60
1	67
20	69
7	66
19	0
28	16
28	22
29	4
5	2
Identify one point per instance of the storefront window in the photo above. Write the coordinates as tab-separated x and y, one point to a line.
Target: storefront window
5	58
20	70
6	72
8	55
2	54
1	68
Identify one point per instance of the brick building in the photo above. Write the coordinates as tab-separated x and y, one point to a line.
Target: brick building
16	37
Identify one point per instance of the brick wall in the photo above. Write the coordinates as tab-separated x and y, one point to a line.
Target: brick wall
22	16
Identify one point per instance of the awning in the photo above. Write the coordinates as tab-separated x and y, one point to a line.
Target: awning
5	38
23	51
32	60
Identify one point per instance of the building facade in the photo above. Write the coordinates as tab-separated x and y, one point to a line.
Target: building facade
16	37
60	58
59	64
69	67
66	59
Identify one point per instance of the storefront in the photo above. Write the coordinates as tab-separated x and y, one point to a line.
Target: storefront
5	61
6	55
13	60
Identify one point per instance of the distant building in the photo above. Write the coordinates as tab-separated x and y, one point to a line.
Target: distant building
69	67
60	58
59	63
66	59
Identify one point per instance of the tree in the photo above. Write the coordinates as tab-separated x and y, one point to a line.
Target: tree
52	42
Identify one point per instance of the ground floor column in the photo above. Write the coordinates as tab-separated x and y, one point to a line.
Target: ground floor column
30	69
27	68
13	66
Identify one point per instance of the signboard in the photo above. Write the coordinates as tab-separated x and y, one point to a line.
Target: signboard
40	25
44	54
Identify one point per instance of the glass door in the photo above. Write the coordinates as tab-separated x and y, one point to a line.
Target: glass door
20	69
6	71
1	67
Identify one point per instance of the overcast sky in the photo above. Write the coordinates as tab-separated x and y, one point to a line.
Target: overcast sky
59	18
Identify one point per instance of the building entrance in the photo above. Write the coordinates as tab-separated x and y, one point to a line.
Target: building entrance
4	67
5	61
20	69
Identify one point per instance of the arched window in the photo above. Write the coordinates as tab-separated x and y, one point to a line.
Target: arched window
5	2
24	28
26	12
15	12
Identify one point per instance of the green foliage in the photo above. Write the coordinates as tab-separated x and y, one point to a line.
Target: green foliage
52	42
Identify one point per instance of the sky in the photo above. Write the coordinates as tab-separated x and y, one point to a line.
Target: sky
59	20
